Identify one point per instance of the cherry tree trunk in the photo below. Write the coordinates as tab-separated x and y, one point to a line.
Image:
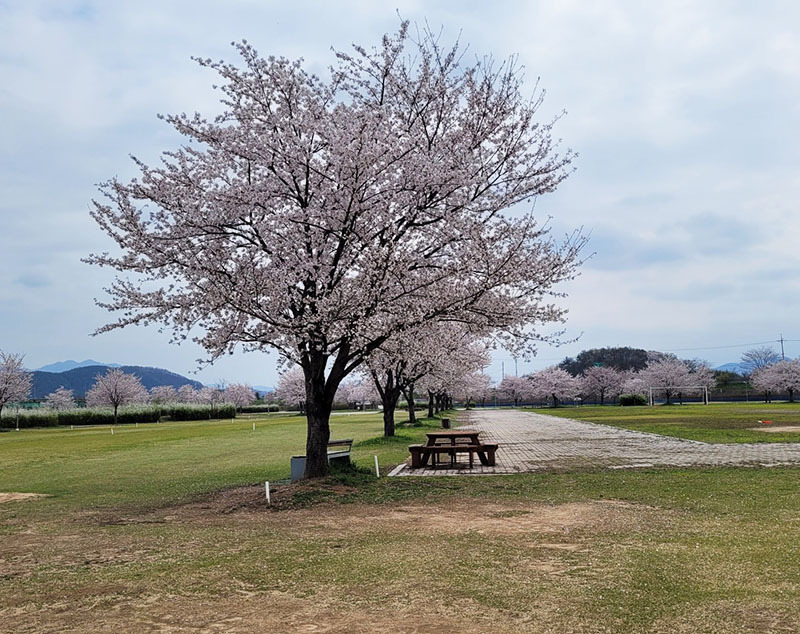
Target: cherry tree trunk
430	404
319	403
412	415
389	399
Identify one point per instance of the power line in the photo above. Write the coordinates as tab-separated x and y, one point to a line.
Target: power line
738	345
782	340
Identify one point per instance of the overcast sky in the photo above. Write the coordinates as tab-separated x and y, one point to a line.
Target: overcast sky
686	116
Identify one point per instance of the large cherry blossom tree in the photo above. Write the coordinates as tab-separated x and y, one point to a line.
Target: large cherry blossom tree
15	381
321	218
114	389
776	378
240	395
553	384
515	388
667	376
601	381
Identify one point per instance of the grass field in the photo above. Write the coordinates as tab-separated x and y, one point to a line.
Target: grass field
716	422
165	528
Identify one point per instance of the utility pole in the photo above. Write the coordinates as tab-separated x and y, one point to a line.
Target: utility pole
783	357
503	366
515	367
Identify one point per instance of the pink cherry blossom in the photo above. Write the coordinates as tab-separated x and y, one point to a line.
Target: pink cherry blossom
554	384
240	395
61	399
15	381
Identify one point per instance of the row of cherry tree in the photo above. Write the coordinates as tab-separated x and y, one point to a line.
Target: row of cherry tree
668	377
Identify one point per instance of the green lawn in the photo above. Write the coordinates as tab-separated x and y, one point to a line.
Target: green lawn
151	529
716	422
166	463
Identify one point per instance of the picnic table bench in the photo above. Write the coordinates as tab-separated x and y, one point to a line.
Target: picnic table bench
451	443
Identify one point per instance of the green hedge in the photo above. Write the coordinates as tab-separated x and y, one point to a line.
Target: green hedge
190	411
259	409
96	416
632	399
126	416
28	418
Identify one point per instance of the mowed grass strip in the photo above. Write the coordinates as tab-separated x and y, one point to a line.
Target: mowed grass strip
714	423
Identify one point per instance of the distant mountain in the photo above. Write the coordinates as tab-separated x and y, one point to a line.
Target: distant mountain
732	367
262	389
80	379
63	366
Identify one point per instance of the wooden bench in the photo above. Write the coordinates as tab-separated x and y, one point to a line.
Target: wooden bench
421	453
338	452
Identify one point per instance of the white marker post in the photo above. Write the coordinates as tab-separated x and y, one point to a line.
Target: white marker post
266	490
254	426
377	469
112	431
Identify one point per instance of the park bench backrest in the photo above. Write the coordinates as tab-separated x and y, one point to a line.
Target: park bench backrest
340	443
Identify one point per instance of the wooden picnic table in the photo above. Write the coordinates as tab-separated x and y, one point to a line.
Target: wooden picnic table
455	441
453	435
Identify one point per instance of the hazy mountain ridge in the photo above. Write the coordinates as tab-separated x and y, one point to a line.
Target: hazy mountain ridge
80	379
69	364
738	368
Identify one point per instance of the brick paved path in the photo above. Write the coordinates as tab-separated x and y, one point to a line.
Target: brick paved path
534	442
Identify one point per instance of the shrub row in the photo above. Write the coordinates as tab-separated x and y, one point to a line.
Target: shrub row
126	416
191	411
259	409
28	418
632	399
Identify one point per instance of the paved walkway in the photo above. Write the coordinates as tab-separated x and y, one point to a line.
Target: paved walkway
534	442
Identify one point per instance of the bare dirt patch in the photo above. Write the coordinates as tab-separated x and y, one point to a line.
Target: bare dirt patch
460	516
448	516
777	428
19	497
